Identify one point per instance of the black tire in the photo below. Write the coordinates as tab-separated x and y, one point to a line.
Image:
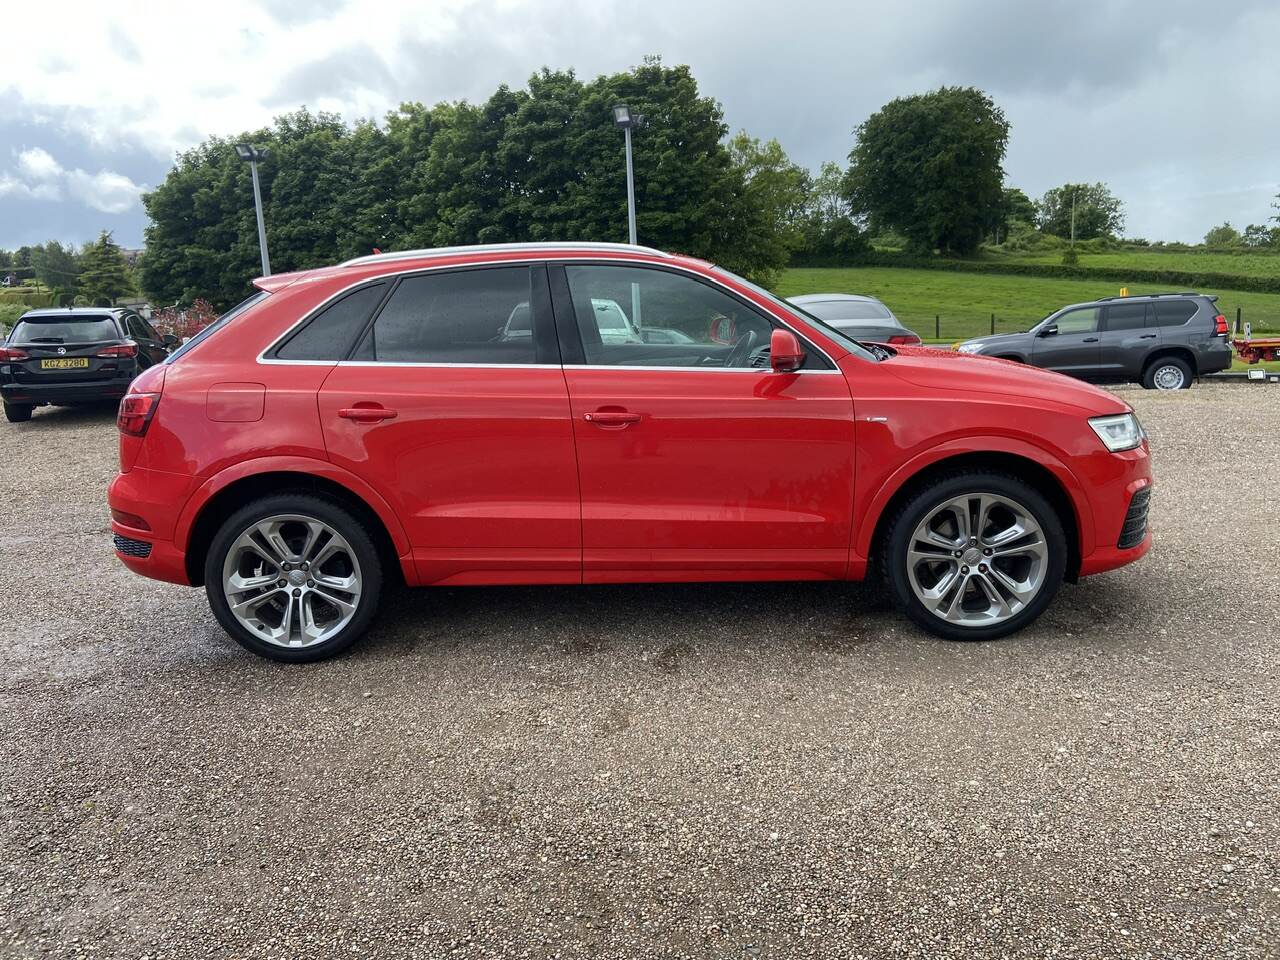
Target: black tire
1163	368
921	503
18	412
306	505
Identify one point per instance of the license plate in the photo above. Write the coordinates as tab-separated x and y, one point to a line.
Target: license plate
65	363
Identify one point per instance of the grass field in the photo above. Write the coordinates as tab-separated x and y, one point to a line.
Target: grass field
1242	264
965	301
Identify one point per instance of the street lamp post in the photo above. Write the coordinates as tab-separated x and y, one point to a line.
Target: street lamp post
252	155
624	118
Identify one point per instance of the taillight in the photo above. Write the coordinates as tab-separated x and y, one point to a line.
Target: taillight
136	411
1220	325
909	339
13	353
123	350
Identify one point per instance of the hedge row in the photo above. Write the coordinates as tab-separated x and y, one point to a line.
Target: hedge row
1174	279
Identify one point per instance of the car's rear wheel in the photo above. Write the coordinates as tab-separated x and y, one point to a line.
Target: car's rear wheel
293	577
1167	373
17	412
975	556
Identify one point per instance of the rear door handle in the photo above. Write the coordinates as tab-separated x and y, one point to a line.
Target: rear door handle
370	414
1089	340
611	418
1147	336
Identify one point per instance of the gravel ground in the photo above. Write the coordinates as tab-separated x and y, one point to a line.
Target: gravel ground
729	771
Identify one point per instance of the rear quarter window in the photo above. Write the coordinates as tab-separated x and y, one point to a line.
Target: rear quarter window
1172	313
330	334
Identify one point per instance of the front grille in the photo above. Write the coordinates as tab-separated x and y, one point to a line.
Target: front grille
1135	521
131	548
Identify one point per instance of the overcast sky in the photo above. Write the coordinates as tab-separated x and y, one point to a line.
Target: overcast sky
1174	104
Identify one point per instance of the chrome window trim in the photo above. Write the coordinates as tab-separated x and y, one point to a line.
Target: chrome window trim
549	366
585	255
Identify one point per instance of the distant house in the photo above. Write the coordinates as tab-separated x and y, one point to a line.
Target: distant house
131	256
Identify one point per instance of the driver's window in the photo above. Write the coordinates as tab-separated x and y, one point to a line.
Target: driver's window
632	316
1084	320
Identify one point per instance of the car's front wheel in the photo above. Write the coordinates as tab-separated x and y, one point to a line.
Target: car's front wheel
17	412
293	577
975	556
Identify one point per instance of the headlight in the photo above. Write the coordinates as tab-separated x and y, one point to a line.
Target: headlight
969	348
1119	432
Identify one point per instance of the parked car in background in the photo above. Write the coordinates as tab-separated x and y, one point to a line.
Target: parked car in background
1161	340
368	422
74	356
860	317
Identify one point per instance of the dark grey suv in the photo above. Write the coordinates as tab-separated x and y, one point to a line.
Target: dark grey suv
1161	340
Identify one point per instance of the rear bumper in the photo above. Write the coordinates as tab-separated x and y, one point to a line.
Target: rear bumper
157	497
1213	357
92	391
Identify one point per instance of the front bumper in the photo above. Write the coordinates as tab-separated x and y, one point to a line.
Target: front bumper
1118	537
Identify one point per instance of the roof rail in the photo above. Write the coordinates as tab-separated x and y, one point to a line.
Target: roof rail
1165	293
498	248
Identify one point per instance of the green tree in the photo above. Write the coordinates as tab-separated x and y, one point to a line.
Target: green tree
105	275
56	266
929	167
540	163
1014	207
1224	235
1098	212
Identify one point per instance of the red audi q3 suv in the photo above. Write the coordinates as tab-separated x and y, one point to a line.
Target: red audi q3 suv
596	413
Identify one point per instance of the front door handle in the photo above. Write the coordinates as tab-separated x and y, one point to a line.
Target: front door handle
611	418
366	414
1089	340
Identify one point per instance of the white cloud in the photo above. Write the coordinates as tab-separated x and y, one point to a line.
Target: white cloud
106	191
38	164
12	186
41	177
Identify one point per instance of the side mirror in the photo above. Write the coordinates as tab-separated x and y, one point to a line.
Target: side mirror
1049	330
785	352
170	340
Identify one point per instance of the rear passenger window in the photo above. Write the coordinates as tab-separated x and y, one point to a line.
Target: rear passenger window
472	316
1126	316
329	334
1173	313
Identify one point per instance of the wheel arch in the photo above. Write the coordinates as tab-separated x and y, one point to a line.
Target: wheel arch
229	490
1047	475
1185	354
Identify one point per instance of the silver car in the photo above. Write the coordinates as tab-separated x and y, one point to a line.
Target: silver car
863	318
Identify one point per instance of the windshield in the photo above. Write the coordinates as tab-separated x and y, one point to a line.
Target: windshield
64	330
218	324
833	310
828	331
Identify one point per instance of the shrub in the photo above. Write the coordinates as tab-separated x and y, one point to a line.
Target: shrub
1070	258
184	322
10	312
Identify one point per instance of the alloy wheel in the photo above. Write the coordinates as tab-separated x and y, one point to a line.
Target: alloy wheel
292	580
977	560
